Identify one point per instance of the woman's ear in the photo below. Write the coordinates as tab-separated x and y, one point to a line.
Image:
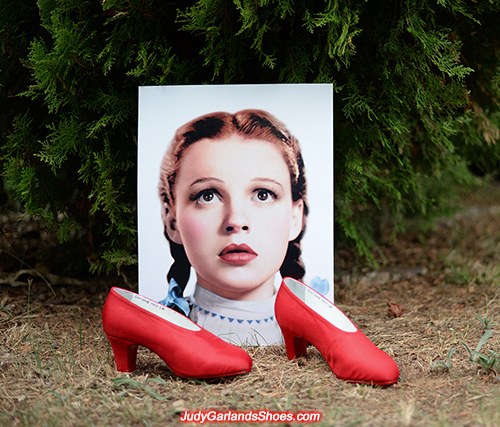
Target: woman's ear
297	220
170	226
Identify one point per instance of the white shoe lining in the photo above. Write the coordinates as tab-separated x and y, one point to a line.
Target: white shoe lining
159	310
320	305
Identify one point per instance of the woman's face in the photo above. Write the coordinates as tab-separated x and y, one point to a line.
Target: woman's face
234	215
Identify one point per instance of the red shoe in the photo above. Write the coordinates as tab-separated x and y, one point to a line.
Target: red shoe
190	351
305	316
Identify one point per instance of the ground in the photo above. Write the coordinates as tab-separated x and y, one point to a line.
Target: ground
434	295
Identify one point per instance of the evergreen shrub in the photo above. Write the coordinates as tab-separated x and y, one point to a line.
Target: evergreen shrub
416	89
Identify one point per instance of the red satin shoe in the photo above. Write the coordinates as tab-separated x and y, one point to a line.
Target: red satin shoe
190	351
305	316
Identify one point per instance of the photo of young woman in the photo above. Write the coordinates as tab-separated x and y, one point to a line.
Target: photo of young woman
233	194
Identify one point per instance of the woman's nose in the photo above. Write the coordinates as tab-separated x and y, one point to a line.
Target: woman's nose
236	219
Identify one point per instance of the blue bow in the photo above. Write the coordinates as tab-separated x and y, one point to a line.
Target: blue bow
320	285
174	298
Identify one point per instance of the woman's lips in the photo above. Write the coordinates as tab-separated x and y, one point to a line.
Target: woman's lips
237	254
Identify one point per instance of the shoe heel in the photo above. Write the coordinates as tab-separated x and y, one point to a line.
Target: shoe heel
295	346
125	353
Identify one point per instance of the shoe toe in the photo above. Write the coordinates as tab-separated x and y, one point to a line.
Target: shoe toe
379	369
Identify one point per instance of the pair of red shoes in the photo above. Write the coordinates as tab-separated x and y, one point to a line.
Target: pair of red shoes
190	351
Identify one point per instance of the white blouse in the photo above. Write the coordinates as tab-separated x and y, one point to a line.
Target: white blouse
237	322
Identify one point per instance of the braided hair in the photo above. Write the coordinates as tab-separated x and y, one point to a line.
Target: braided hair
250	124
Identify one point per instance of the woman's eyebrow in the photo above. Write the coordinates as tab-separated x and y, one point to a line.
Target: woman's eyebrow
202	180
273	181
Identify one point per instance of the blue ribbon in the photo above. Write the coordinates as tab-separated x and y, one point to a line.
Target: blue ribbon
174	298
320	285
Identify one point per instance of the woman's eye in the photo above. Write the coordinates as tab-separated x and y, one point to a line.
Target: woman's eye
206	197
264	195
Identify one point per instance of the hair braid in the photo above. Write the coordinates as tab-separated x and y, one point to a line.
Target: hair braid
181	268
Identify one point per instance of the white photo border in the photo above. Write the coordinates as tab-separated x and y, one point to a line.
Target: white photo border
307	112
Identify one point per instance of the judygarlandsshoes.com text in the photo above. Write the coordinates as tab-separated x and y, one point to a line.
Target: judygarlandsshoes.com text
263	415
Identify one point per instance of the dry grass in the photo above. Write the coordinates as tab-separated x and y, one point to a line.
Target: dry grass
57	369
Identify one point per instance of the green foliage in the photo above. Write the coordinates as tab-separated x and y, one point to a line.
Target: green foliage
417	87
446	364
489	362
